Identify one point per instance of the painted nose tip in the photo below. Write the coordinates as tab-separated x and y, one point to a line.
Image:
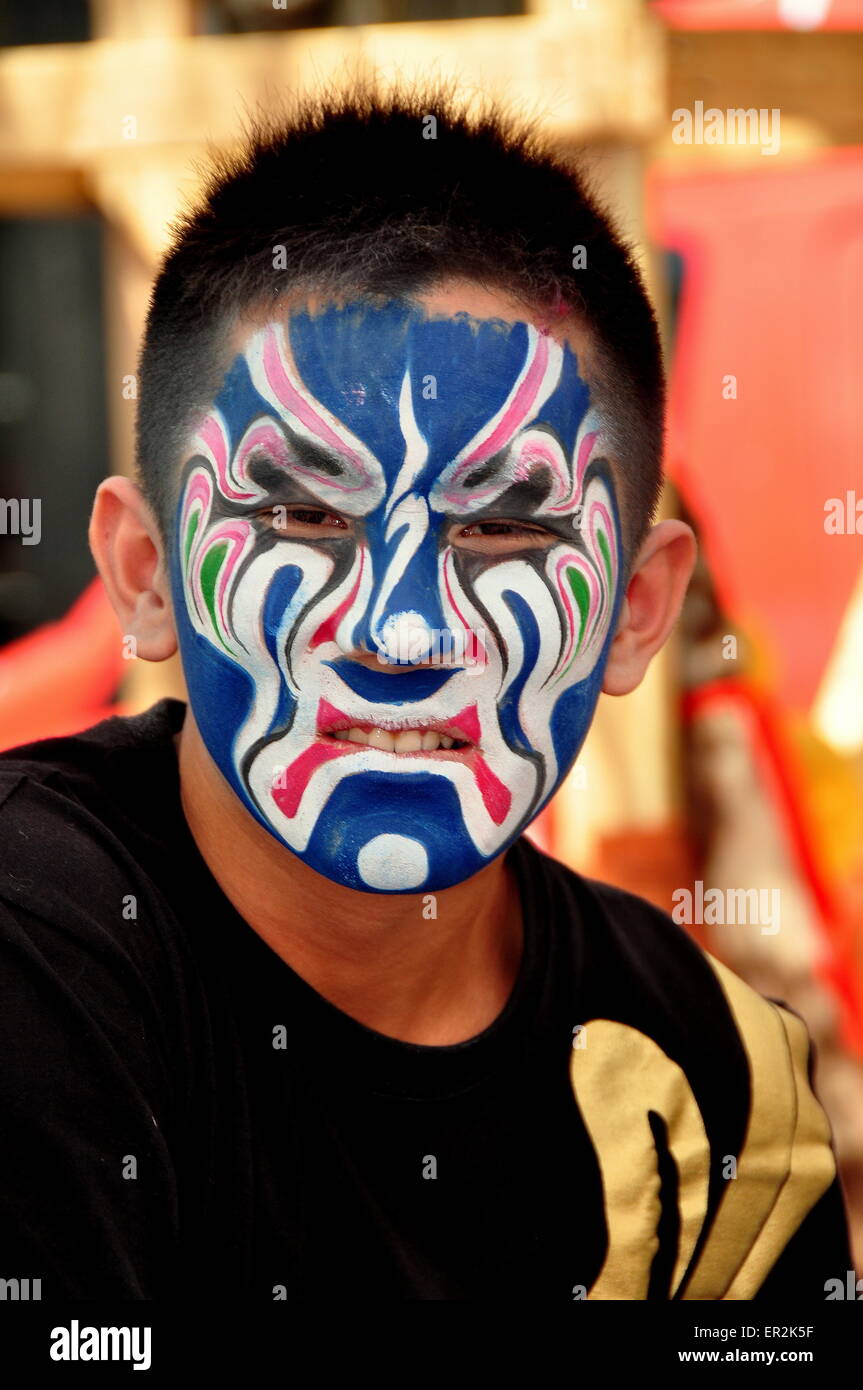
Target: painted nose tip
405	637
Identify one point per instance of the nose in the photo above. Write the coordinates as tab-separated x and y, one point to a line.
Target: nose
404	619
406	637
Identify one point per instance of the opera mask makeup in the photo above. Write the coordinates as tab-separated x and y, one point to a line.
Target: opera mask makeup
396	579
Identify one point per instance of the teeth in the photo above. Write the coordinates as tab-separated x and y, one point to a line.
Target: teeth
379	738
404	741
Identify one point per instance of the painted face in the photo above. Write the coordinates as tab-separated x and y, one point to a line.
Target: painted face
401	523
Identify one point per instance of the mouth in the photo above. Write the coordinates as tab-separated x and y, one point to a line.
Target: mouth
338	735
405	737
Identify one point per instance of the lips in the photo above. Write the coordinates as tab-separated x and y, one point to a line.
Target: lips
463	727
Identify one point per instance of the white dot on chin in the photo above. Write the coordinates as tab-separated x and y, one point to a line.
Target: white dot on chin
394	862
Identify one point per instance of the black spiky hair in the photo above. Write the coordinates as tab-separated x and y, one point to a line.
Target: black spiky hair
389	193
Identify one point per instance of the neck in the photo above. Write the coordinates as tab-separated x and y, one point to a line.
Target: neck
430	969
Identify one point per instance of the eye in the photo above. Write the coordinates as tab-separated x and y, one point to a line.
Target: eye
501	537
303	521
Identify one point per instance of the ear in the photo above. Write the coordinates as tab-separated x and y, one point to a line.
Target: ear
652	604
127	548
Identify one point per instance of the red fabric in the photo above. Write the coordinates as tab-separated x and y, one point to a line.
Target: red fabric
759	14
773	270
61	678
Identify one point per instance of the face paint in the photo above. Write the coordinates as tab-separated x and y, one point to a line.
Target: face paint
322	519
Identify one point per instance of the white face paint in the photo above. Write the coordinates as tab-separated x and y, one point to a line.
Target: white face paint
430	492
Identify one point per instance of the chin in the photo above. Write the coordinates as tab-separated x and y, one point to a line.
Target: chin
401	833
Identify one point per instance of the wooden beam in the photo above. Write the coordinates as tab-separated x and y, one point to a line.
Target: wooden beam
43	192
597	73
143	19
141	190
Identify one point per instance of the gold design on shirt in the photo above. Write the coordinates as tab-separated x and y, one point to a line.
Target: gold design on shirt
617	1077
784	1166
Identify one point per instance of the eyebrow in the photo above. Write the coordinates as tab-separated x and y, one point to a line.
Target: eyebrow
499	469
317	458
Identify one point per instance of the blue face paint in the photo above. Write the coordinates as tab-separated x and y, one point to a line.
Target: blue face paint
396	580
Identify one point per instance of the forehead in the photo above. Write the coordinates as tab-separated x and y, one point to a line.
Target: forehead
455	374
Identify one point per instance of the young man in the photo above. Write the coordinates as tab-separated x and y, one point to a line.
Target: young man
291	1005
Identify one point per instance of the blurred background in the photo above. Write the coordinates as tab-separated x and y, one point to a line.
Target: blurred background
727	135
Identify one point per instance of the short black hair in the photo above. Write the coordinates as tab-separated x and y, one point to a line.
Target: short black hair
367	194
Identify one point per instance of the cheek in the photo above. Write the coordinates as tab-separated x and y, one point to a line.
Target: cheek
247	597
529	634
551	614
210	556
212	565
530	627
585	604
552	623
585	582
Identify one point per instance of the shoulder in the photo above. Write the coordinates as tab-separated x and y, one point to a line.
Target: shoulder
644	971
83	920
634	963
672	964
83	794
74	759
650	964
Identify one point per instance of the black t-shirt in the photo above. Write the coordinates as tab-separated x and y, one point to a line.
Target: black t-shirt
182	1115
